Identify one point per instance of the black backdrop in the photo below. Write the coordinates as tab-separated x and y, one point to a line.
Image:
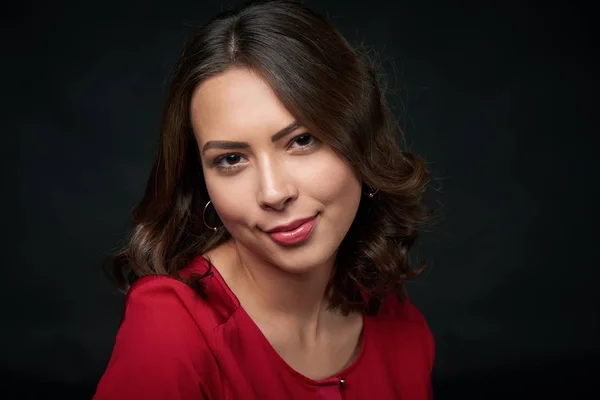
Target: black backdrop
497	98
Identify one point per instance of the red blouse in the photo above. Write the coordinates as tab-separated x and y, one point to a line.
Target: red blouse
172	345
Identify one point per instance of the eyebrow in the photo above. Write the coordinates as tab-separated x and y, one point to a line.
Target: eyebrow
228	145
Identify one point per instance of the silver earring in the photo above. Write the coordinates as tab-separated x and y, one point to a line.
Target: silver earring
204	218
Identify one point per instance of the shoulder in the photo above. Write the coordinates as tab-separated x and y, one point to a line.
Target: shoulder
162	303
168	300
404	326
160	351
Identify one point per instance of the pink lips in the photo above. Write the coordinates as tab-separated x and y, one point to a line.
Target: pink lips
296	234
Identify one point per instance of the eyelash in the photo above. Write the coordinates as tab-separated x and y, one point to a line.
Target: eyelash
218	160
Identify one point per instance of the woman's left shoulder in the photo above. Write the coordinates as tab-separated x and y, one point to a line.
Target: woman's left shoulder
403	325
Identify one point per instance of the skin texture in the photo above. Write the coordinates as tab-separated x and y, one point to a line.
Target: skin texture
265	184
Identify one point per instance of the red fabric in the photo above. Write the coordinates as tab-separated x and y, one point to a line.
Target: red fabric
173	345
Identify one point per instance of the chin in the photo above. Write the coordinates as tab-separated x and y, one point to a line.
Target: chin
302	259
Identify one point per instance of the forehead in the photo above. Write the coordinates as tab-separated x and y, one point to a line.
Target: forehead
236	104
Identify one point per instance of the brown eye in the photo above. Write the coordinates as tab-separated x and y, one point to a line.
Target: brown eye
227	161
232	159
304	140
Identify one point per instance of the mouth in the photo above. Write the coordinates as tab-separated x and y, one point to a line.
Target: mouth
293	233
290	226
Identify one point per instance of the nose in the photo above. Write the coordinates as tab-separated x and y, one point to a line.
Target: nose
276	188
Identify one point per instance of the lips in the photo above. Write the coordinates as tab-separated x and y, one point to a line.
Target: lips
289	226
302	229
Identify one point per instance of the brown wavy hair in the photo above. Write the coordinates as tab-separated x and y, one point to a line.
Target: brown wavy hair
332	89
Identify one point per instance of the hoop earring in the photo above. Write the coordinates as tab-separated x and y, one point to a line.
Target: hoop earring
204	218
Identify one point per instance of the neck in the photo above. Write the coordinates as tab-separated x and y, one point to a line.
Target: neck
296	299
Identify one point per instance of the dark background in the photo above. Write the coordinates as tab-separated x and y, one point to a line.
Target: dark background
498	98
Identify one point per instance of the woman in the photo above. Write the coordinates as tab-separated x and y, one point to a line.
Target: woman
269	252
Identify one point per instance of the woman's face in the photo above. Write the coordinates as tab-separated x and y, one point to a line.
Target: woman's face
258	181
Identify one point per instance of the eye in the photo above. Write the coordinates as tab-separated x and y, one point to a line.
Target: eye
304	140
227	161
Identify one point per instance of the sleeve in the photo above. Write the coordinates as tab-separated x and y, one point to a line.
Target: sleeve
408	311
427	337
158	347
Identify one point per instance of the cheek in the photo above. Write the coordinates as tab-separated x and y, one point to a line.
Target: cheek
231	200
338	189
334	181
230	210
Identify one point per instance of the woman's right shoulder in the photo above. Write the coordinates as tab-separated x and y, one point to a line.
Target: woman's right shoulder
165	310
162	348
159	291
163	300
